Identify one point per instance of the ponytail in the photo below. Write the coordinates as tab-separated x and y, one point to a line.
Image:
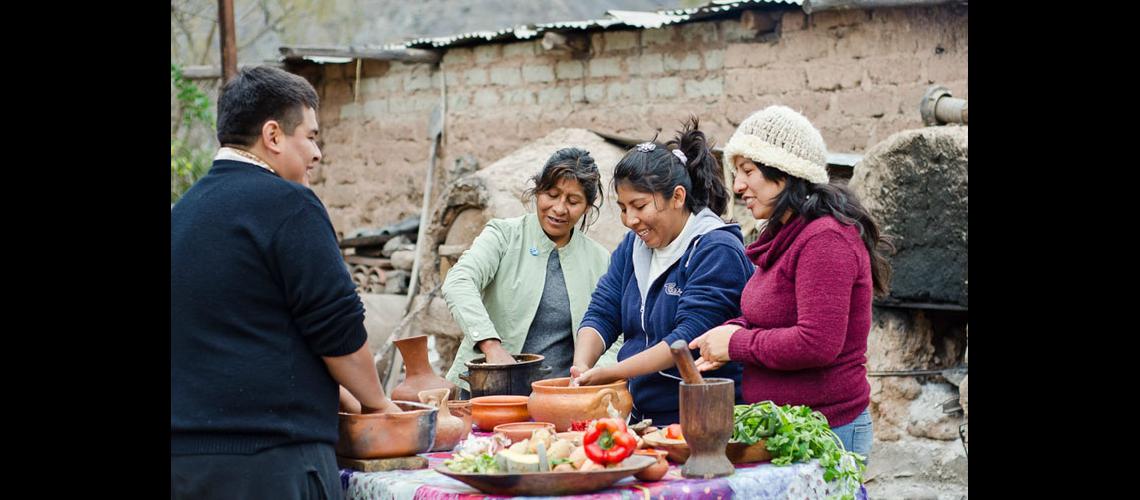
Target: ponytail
685	161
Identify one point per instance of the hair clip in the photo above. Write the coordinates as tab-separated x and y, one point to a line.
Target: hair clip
680	156
646	147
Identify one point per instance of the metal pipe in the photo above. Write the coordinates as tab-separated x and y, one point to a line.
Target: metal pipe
938	107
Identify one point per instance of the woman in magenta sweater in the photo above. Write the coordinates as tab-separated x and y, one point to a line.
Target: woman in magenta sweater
806	311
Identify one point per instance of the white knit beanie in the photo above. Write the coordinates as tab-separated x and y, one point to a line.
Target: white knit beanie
780	138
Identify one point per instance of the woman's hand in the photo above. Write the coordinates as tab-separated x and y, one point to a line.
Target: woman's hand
495	353
714	347
594	376
706	366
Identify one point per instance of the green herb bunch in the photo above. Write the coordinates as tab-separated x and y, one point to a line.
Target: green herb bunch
799	434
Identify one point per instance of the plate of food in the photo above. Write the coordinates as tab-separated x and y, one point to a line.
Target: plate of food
546	464
549	483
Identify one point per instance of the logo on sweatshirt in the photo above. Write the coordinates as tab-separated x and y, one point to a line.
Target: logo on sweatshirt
671	289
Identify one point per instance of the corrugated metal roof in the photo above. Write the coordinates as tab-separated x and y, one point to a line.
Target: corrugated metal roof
728	5
647	20
613	19
845	159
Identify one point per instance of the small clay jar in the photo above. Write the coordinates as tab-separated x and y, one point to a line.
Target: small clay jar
461	409
448	428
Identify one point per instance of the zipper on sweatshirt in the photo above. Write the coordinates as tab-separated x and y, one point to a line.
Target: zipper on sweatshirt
643	318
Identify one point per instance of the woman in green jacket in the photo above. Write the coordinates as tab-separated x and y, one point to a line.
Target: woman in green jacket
526	282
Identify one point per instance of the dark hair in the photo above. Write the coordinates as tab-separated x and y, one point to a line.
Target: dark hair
812	201
257	95
575	164
660	171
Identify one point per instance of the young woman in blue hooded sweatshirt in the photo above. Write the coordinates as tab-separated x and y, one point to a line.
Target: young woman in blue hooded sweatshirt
678	272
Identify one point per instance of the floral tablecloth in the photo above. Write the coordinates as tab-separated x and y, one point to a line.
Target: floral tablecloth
751	481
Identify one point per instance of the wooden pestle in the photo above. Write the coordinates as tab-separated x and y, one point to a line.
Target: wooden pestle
684	359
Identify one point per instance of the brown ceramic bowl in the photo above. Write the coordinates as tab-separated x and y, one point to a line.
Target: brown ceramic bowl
386	435
740	453
489	411
678	449
553	400
519	431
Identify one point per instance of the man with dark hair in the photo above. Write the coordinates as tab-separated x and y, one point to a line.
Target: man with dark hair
264	318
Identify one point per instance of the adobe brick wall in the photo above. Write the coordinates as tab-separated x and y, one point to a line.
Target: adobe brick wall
857	75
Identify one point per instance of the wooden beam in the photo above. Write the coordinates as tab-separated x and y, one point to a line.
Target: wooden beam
406	55
228	39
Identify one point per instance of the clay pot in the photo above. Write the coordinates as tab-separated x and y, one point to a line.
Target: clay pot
449	429
499	380
418	373
461	409
489	411
656	471
554	401
519	431
386	435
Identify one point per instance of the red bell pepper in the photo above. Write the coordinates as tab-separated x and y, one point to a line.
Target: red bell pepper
608	442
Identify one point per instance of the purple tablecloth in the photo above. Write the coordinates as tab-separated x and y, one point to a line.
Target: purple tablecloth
752	481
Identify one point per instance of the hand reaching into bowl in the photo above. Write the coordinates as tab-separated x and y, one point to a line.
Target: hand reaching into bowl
496	355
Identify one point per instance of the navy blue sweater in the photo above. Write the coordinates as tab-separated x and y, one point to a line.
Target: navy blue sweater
698	292
258	293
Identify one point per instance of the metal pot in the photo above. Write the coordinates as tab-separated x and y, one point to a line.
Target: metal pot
501	380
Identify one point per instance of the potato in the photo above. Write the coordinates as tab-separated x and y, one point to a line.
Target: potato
564	468
591	465
578	456
560	449
519	447
539	436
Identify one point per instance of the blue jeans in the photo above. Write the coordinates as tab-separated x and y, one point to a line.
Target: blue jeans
856	436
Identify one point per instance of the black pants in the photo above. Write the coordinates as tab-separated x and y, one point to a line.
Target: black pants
300	471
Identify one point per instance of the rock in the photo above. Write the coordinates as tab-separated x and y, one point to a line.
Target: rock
382	312
919	460
396	244
397	282
916	183
403	259
926	416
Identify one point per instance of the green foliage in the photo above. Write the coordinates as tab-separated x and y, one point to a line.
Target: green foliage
799	434
188	162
